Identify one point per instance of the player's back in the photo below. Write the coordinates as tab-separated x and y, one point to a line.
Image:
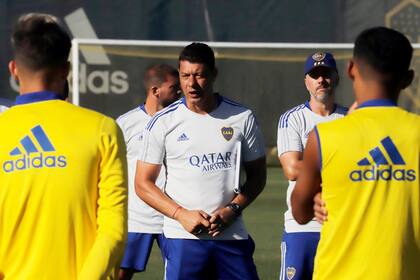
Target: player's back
370	169
50	155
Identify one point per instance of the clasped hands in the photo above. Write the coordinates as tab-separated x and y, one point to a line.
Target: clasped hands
198	221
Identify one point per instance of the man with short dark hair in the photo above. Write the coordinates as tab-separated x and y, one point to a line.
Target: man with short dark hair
321	79
63	193
198	139
368	163
145	223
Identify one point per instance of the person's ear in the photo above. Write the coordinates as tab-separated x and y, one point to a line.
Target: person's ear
13	70
155	91
350	69
407	79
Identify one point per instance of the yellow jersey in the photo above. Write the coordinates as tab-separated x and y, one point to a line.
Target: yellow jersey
63	191
370	184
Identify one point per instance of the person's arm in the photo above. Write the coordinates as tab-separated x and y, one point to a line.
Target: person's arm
292	164
107	249
289	146
253	154
308	183
256	174
320	210
193	221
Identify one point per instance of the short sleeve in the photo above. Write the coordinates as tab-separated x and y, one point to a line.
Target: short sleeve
253	142
152	143
288	135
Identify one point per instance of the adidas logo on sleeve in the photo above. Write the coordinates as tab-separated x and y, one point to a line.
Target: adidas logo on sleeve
35	151
382	168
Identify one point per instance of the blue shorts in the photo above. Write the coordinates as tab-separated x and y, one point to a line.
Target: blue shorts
138	248
298	251
209	259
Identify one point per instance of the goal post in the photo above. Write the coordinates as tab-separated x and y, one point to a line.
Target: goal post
267	77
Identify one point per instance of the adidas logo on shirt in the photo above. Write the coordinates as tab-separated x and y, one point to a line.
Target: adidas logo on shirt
381	167
183	137
34	151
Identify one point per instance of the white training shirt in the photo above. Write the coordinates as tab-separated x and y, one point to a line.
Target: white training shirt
141	217
199	152
292	135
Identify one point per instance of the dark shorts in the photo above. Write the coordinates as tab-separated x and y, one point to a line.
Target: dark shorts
209	259
138	248
298	251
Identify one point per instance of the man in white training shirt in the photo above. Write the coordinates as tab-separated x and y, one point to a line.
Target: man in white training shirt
144	223
299	243
196	139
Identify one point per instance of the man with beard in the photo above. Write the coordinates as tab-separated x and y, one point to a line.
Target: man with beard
299	243
368	163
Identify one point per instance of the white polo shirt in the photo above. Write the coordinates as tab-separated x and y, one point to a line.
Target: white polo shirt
199	152
292	135
141	217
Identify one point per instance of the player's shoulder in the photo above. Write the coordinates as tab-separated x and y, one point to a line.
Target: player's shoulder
409	114
294	110
291	114
85	112
83	116
410	119
164	114
132	115
233	104
230	108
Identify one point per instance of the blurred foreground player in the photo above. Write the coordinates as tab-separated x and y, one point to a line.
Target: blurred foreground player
197	139
368	163
63	191
144	223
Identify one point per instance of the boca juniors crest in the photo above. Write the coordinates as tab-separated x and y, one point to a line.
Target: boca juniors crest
227	133
290	271
319	56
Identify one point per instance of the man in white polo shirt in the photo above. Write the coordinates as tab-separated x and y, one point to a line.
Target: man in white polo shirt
197	139
144	223
300	242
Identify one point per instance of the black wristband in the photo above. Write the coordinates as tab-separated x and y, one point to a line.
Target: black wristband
236	208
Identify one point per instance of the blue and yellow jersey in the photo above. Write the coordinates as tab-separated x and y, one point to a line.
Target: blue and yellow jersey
63	191
370	183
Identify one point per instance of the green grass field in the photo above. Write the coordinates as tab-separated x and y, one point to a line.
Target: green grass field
264	221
